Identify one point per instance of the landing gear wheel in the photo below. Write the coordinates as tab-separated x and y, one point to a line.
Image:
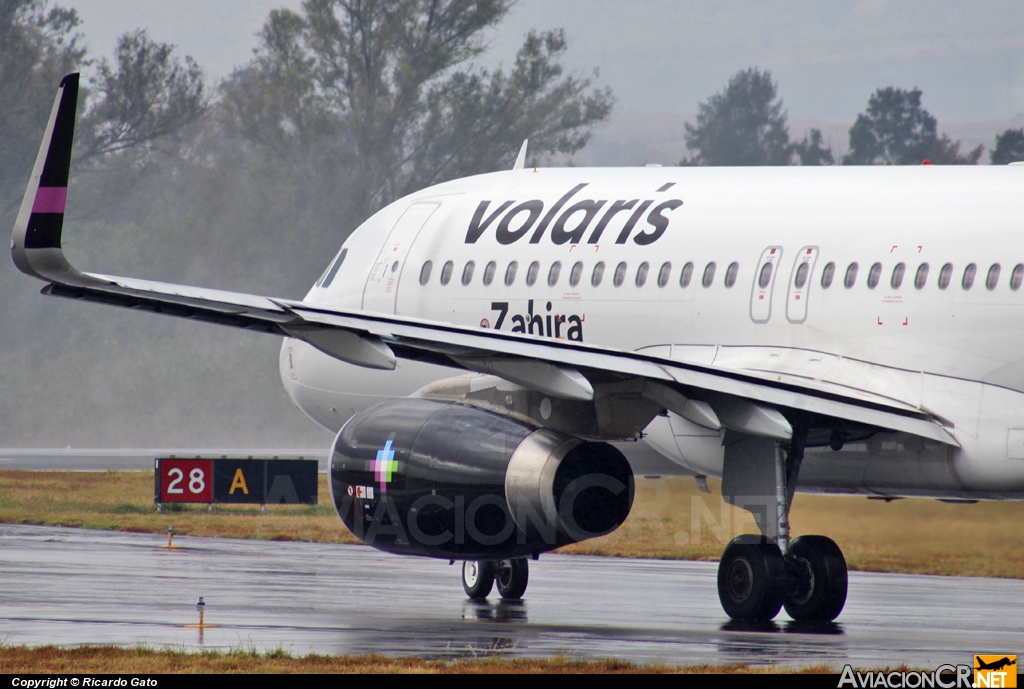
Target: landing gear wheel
477	578
816	580
512	577
751	579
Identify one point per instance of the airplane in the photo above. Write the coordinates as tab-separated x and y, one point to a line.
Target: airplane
495	353
996	664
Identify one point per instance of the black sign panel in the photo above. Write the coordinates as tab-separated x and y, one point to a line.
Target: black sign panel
291	482
239	481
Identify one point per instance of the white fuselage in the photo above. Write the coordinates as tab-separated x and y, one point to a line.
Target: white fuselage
932	339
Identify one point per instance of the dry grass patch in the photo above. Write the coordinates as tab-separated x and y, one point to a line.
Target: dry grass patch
123	501
50	659
670	520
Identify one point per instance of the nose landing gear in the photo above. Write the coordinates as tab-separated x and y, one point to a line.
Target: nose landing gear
479	577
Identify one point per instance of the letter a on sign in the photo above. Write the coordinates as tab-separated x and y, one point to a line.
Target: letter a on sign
238	482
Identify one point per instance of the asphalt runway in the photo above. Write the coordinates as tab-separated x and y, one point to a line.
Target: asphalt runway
73	587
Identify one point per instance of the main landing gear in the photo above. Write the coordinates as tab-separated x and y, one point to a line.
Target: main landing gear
480	576
755	580
759	575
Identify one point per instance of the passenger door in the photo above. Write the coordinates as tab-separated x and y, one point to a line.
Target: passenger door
381	289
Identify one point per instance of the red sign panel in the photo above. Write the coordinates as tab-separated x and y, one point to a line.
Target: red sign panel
186	480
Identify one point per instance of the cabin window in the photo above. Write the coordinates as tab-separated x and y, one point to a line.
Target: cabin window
897	275
731	274
969	272
801	275
686	275
851	275
554	273
992	280
1017	277
945	275
709	274
328	277
510	273
873	275
425	272
664	274
575	274
641	274
620	274
446	272
828	275
765	277
467	273
531	274
489	271
921	277
598	274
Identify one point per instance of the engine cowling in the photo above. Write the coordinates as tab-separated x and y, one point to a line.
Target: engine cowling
449	480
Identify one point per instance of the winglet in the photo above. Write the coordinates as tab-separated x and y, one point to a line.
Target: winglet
36	240
521	158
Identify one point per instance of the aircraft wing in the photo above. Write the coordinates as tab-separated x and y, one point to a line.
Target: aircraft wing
741	400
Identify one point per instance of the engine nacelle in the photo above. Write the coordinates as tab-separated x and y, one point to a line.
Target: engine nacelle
443	479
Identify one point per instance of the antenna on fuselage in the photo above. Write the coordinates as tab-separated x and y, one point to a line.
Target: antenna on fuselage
521	158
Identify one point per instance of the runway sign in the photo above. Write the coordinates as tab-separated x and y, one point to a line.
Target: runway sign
185	480
239	481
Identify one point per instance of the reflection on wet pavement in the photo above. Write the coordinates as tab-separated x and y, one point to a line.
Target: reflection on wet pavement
74	587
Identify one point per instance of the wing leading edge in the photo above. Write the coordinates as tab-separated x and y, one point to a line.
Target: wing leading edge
740	400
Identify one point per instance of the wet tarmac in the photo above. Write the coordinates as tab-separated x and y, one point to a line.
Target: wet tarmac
74	587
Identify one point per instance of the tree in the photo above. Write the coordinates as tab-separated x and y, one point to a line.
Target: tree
1009	147
477	121
812	152
374	99
146	95
743	125
945	151
895	130
149	94
38	45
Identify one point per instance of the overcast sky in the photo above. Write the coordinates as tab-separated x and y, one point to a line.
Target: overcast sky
667	55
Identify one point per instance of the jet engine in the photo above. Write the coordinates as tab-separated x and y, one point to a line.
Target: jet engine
444	479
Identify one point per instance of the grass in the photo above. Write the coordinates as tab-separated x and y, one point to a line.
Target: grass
123	501
670	520
107	660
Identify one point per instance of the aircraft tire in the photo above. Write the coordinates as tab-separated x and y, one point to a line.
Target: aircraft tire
816	580
478	578
512	577
751	579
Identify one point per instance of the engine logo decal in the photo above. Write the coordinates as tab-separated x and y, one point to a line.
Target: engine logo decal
385	465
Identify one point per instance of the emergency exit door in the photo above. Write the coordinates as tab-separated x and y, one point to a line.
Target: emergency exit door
764	284
800	284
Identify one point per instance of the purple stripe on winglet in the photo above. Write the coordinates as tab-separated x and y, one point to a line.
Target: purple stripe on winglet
50	200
